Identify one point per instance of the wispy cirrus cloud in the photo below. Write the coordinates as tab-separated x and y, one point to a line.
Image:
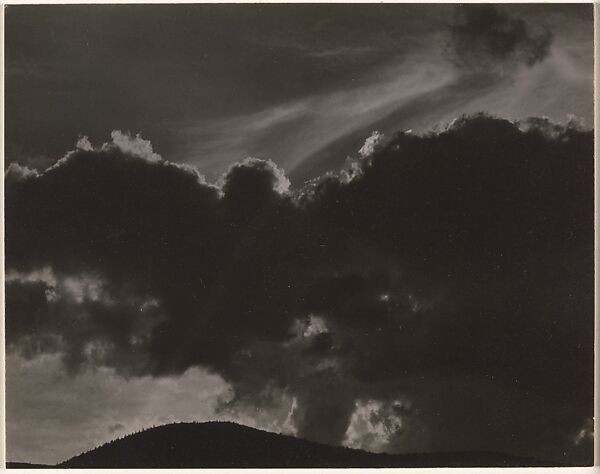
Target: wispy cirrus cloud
535	74
290	132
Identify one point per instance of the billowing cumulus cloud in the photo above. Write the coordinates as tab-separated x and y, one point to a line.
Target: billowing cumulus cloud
454	270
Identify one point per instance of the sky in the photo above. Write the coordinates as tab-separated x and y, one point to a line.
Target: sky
296	217
302	85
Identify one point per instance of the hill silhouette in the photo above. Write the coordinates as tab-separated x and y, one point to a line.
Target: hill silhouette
229	445
27	465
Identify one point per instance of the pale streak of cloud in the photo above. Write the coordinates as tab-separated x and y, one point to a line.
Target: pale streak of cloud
537	92
292	132
297	129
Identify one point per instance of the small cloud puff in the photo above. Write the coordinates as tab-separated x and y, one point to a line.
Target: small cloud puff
134	145
15	172
255	170
84	144
372	144
374	423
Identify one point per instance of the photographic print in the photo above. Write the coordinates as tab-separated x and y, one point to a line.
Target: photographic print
299	235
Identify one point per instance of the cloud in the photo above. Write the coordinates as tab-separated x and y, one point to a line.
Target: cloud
480	235
79	317
312	134
17	172
84	143
294	130
127	144
371	144
374	423
252	171
550	129
484	36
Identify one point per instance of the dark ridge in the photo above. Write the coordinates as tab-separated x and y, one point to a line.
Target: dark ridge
27	465
229	445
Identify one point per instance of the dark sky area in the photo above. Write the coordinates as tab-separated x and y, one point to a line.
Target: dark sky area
191	258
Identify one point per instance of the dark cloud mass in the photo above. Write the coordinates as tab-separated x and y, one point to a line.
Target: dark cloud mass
484	35
452	269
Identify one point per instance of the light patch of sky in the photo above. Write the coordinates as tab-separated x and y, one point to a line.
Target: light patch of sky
81	412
